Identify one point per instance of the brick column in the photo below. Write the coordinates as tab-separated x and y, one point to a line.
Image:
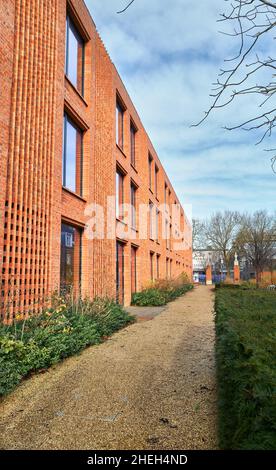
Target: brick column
209	275
236	270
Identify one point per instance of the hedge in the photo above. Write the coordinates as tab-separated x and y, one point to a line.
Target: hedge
246	371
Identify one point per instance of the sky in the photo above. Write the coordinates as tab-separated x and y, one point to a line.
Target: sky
168	55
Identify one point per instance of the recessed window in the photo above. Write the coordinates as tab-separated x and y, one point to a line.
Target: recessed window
119	194
133	198
167	235
157	266
70	260
120	272
119	124
151	215
133	132
74	60
133	269
150	160
72	156
151	266
167	268
156	171
157	224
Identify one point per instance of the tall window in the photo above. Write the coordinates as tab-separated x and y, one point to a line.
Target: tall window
167	268
72	156
151	215
74	60
151	266
156	171
150	160
157	266
120	272
167	235
133	269
119	124
70	260
133	131
165	193
119	194
133	190
157	225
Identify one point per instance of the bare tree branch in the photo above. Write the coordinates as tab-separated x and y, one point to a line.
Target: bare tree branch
125	9
252	20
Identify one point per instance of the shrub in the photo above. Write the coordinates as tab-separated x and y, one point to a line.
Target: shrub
59	332
245	354
162	291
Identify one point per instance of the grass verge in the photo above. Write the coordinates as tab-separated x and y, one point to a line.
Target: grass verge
245	355
62	331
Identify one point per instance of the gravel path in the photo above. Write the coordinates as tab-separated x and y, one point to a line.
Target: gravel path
151	386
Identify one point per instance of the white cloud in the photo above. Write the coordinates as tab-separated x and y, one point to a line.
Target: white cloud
168	57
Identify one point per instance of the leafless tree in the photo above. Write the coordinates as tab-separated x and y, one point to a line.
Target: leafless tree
198	234
221	230
252	21
256	240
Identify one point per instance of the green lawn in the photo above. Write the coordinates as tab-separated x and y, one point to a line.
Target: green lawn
246	368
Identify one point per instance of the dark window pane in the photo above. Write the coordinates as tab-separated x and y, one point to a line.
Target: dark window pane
74	56
132	145
133	270
119	195
150	171
156	180
151	207
119	125
133	206
120	272
151	266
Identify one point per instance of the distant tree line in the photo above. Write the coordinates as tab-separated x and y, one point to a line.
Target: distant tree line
252	237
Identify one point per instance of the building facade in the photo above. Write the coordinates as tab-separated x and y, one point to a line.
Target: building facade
73	148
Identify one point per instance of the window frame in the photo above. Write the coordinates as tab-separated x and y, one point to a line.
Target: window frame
120	187
133	133
70	24
152	265
68	119
134	250
133	193
120	109
151	213
80	231
158	266
150	162
156	179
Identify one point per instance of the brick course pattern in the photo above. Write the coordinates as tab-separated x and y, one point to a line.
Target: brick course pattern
34	95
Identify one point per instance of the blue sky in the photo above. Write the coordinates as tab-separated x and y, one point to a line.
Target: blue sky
168	55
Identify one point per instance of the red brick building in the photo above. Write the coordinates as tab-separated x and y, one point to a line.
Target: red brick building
71	137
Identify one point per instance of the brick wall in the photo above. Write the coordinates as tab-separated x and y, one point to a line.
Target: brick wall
34	95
